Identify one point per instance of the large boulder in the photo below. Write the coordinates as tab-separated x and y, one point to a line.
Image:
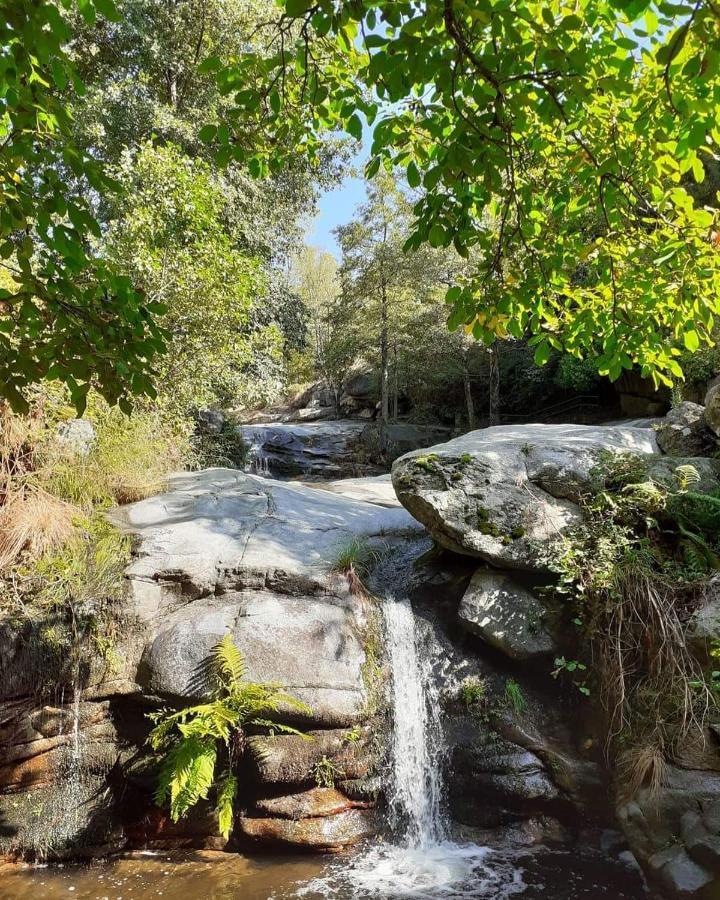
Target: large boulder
504	493
77	436
506	615
684	432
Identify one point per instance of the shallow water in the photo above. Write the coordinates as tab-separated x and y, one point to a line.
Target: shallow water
450	871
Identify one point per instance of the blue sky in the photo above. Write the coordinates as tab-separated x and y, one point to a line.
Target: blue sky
336	208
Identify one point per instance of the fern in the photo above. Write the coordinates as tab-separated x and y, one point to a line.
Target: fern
191	739
228	663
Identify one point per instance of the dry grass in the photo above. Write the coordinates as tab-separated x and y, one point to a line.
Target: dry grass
653	689
33	522
641	768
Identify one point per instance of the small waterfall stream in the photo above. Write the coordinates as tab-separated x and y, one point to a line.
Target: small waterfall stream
417	746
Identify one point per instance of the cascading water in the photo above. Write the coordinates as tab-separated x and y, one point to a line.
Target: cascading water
421	861
417	748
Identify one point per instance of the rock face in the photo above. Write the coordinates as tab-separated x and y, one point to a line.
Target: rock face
501	493
505	615
684	431
310	449
219	551
78	436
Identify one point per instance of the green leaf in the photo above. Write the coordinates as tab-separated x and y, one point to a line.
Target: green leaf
208	133
691	340
354	127
542	353
413	175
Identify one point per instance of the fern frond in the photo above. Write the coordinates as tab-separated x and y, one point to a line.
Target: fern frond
186	775
686	476
277	728
227	792
228	663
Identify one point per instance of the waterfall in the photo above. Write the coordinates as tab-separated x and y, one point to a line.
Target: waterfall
258	461
416	747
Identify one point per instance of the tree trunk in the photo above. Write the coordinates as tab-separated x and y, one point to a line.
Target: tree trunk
469	404
494	411
384	373
395	381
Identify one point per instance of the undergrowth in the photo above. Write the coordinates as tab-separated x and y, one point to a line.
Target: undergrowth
635	571
61	562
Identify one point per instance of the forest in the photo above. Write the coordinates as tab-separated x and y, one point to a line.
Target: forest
360	447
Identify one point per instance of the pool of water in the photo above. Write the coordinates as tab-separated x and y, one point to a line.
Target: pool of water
448	870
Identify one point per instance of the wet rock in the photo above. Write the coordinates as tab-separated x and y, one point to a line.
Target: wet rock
504	493
684	432
495	782
322	755
662	830
505	615
328	833
315	803
674	871
323	448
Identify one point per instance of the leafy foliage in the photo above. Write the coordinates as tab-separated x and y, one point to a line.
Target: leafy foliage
65	313
194	739
554	144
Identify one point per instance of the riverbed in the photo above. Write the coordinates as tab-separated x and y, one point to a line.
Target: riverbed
373	873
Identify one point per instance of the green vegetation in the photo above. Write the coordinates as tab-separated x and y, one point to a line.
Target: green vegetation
197	741
514	696
633	573
474	693
573	226
326	773
355	559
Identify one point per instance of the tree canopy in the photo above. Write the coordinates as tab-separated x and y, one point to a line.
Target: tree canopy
64	313
555	144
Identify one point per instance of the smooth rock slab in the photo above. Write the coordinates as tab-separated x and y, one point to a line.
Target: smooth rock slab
222	529
504	493
505	615
327	833
311	645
